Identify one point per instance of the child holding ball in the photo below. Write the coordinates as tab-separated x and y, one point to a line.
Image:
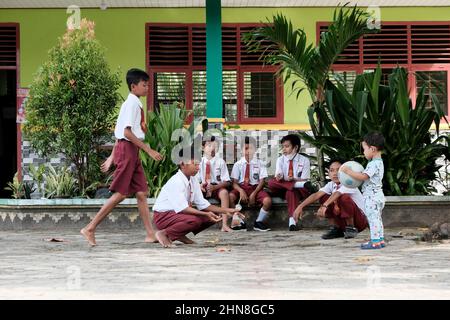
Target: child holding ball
372	188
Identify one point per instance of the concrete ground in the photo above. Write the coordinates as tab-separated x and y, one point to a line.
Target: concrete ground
242	265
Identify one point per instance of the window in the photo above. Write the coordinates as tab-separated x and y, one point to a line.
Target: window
423	48
176	63
435	82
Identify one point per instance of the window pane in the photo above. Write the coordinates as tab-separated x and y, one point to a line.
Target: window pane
348	77
259	95
199	93
229	94
435	82
169	87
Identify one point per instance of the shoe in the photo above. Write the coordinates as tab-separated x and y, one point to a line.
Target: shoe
260	226
382	243
333	232
310	187
370	245
294	227
242	226
350	232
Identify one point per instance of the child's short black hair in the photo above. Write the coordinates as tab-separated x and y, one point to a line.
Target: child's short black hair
209	139
333	160
293	139
249	140
134	76
374	139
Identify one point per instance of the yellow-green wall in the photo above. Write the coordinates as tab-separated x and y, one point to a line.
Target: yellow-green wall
122	32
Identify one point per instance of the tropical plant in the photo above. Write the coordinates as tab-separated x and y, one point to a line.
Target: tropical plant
410	154
161	125
37	174
19	189
60	183
72	102
306	65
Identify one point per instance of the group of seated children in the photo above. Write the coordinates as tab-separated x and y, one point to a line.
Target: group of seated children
248	178
343	207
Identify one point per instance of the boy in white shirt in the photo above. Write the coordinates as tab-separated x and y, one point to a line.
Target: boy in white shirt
174	214
248	176
292	176
129	175
214	177
344	207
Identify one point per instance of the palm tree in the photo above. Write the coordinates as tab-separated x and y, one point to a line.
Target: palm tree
307	65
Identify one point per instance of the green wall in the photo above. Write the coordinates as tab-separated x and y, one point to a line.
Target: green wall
122	32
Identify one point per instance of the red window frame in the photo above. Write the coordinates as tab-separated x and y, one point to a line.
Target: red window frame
411	67
17	68
240	69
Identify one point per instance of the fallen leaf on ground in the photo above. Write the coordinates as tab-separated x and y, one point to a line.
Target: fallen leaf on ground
214	241
55	240
363	259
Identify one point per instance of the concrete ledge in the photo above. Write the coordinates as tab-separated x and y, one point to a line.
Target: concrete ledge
409	211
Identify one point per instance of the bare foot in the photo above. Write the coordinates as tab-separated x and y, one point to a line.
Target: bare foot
151	239
226	229
162	238
90	236
185	240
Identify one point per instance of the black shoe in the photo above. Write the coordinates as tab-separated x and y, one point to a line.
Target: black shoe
333	232
350	232
242	226
294	227
260	226
310	187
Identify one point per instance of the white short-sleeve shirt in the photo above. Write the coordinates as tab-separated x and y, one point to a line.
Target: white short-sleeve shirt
258	171
219	170
130	116
301	166
354	193
178	192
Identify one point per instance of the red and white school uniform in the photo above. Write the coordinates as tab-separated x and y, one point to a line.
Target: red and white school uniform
248	176
213	171
297	167
129	175
349	205
176	195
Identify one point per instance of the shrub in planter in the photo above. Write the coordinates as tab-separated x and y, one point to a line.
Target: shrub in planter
72	103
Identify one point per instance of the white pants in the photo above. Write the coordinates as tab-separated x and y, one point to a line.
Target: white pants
373	208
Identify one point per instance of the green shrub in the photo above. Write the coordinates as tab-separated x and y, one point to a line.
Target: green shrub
72	103
410	154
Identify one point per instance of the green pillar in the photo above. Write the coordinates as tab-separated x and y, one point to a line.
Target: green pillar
213	60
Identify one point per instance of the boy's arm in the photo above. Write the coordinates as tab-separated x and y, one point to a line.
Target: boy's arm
334	196
141	145
106	165
355	175
310	200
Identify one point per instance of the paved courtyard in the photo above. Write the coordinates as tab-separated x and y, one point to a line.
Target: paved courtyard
242	265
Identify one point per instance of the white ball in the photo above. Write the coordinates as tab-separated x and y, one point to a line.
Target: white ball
348	181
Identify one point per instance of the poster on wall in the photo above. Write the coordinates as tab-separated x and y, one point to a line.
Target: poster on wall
22	95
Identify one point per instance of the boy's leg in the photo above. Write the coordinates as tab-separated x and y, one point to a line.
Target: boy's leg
144	212
175	226
371	209
89	231
223	196
337	225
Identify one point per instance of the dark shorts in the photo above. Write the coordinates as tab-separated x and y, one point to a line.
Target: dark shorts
215	194
248	190
129	175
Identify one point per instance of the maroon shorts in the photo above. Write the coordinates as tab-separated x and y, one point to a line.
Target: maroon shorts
248	190
343	209
215	194
180	224
129	175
